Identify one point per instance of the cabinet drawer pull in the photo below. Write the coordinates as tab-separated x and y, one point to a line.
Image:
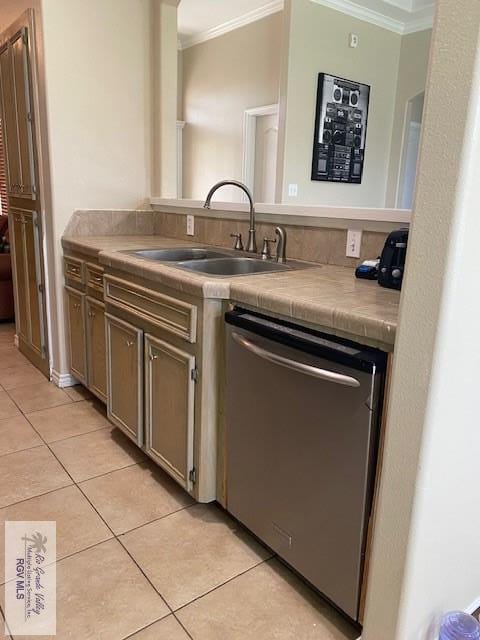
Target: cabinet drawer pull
74	269
98	279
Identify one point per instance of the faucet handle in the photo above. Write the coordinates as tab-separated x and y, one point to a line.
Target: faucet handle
281	234
238	243
266	254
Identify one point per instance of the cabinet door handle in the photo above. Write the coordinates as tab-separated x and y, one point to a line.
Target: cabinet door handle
152	357
76	306
91	314
130	343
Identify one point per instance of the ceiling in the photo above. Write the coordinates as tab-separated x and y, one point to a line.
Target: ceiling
196	16
200	20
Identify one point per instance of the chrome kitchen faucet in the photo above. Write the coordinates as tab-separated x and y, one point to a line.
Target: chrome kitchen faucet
252	243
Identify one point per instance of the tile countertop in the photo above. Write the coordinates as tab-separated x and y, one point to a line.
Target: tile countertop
326	297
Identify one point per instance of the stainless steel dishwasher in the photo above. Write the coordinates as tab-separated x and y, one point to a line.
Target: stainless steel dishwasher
302	413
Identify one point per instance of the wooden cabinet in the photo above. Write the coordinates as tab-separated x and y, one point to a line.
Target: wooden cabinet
18	117
86	326
28	280
96	347
20	261
169	408
125	377
26	218
76	333
156	340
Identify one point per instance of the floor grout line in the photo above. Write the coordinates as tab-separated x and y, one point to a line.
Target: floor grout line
150	624
219	586
183	626
145	575
9	453
124	533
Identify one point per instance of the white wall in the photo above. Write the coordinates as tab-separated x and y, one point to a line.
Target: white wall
221	79
426	553
319	39
97	69
412	76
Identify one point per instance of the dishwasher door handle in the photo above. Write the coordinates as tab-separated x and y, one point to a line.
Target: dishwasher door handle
300	367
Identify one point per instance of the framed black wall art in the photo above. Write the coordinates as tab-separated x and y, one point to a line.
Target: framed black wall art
340	129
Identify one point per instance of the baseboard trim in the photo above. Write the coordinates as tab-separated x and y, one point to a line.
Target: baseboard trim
474	607
63	380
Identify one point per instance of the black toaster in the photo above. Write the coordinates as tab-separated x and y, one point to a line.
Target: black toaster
392	261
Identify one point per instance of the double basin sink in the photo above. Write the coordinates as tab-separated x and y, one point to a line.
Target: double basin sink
217	262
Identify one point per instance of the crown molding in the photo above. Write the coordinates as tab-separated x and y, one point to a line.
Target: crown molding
274	6
379	19
419	24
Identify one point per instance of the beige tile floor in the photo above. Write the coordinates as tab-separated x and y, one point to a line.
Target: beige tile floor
136	557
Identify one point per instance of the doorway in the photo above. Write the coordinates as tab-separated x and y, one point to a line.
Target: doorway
410	151
260	140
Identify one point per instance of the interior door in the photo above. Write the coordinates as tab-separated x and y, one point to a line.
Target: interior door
96	348
266	140
169	419
125	377
76	330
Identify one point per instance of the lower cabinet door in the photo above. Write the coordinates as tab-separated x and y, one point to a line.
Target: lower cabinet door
125	377
169	409
96	348
76	333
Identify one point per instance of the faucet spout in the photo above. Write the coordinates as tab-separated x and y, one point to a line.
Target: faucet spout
252	243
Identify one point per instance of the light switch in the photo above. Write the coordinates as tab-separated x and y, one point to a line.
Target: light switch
354	243
293	190
190	225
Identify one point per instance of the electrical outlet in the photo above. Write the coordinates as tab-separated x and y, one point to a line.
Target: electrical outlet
354	243
190	225
293	190
353	40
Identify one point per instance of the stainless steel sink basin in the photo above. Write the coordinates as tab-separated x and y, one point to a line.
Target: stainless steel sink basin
178	255
232	266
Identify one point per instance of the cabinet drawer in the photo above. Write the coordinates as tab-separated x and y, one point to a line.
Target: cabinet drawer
172	315
73	269
94	277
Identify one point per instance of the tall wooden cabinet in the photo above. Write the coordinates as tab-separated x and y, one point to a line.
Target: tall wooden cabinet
18	117
17	114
